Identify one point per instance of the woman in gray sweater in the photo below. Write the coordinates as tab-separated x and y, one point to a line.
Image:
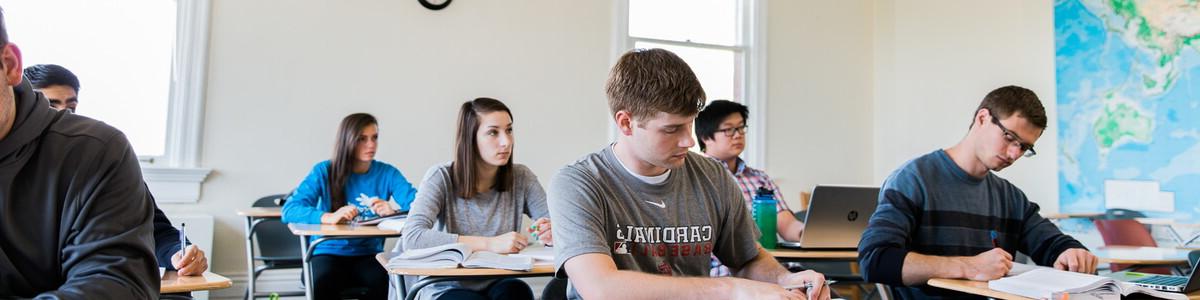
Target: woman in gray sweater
478	199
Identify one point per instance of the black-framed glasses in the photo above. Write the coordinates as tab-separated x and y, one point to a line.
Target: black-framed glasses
729	132
1012	137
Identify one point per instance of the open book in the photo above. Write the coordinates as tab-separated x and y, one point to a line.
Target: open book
1047	283
450	256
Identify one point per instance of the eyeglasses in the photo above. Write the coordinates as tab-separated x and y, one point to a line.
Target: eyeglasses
729	132
1012	138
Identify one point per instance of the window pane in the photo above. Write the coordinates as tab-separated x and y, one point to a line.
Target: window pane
701	21
714	68
119	49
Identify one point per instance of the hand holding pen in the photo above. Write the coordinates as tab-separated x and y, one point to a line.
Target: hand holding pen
540	231
190	260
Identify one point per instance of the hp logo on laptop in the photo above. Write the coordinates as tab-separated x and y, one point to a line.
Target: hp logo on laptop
853	215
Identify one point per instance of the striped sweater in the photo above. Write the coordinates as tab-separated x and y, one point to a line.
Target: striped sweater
931	206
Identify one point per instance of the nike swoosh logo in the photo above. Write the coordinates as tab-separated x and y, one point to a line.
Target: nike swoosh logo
660	205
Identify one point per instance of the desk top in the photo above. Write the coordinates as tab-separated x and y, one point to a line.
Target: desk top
1072	215
814	254
173	283
1142	255
340	230
981	288
971	287
540	268
260	212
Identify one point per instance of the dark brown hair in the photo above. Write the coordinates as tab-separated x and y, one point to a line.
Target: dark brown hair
645	82
466	151
1005	101
342	164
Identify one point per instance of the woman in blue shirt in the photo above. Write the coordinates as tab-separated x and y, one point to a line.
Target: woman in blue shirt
350	185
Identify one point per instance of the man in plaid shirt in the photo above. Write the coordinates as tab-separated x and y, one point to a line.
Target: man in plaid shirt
721	133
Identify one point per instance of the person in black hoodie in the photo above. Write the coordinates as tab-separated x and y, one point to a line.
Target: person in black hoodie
75	216
61	87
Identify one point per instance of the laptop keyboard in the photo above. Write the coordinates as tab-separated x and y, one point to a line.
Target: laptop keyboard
1163	280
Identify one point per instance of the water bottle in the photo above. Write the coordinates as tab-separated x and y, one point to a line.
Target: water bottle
764	216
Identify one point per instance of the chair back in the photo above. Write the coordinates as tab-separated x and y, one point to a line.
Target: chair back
1121	213
275	241
1127	232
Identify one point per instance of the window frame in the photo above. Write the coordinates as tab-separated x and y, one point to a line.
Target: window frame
751	70
175	177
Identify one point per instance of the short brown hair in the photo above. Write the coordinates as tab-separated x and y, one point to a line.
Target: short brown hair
645	82
1005	101
466	153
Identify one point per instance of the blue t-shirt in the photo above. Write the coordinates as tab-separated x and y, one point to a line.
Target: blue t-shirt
311	200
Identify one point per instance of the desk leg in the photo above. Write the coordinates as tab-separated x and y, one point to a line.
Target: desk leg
250	257
305	256
1175	235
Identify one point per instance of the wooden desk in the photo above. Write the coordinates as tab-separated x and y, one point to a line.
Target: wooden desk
981	288
255	216
173	283
363	231
1142	255
813	255
1059	216
327	233
431	276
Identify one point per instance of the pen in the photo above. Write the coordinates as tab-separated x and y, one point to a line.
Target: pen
995	242
182	238
806	285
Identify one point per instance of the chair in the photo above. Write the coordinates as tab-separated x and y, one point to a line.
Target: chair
1121	214
1127	232
278	248
1193	256
556	289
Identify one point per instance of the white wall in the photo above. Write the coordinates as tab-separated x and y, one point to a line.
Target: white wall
934	62
283	73
855	87
819	121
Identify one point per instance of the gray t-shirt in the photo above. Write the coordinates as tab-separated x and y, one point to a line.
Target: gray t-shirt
668	229
438	216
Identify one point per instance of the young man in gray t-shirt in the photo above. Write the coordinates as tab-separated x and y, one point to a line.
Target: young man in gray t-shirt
639	219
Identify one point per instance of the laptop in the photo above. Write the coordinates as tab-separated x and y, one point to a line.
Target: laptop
837	216
1166	283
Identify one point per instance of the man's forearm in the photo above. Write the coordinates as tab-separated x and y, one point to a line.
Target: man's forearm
763	268
919	268
621	284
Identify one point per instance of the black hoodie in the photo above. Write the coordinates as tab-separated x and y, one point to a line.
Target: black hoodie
75	216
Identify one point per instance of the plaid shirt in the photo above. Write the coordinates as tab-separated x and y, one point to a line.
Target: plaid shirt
749	180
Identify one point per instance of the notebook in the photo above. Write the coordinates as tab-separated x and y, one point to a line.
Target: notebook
536	251
1047	283
451	256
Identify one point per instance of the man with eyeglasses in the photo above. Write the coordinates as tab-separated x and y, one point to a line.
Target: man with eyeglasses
947	215
721	133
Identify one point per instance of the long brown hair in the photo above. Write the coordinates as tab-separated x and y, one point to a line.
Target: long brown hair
466	153
342	164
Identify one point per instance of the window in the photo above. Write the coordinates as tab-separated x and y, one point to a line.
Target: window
120	50
140	65
721	42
